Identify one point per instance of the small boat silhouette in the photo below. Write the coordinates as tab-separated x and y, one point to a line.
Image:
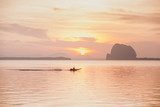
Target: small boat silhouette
74	69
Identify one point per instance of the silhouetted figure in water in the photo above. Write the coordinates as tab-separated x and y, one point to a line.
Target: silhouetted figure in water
74	69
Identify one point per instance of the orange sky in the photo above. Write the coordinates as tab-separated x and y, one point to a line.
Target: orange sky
72	27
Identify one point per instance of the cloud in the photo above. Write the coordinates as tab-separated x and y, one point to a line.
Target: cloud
80	39
147	48
156	29
87	39
150	18
23	30
153	3
74	38
58	9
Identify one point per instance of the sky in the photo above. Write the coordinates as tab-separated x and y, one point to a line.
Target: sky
79	29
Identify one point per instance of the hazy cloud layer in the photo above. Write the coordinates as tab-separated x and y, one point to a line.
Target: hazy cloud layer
148	18
23	30
51	48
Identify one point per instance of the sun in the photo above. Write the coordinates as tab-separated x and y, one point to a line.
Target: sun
82	51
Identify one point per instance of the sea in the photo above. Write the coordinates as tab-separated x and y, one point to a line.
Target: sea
99	83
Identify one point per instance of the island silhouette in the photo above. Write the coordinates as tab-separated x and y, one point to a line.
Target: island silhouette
34	58
118	52
124	52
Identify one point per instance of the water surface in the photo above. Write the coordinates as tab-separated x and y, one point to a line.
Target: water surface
97	84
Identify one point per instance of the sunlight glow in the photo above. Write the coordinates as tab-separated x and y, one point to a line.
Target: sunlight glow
82	51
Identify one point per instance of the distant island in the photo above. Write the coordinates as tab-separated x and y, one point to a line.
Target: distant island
124	52
34	58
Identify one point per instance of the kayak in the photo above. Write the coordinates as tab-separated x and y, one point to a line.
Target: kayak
73	69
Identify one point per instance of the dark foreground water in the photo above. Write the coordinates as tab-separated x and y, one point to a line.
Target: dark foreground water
97	84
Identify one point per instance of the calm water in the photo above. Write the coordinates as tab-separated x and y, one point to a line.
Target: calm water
97	84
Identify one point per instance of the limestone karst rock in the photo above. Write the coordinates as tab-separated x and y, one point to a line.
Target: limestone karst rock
122	52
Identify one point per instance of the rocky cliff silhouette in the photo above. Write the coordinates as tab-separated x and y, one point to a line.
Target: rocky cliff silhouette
122	52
